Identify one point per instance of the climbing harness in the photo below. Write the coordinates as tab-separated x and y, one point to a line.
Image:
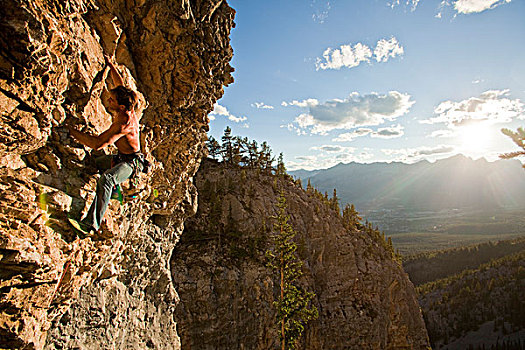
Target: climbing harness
139	164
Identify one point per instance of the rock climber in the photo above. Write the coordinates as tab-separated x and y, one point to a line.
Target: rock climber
124	134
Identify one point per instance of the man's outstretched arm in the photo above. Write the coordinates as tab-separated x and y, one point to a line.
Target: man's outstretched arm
115	132
113	72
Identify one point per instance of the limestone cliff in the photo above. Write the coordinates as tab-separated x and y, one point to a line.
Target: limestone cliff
364	298
118	291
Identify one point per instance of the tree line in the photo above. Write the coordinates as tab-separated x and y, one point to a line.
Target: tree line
239	151
429	266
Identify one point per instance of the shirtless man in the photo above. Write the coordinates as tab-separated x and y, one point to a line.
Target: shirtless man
124	133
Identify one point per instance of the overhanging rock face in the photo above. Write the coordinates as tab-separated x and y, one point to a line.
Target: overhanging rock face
56	290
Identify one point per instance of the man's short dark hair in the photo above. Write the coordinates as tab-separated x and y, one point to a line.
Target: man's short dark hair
125	97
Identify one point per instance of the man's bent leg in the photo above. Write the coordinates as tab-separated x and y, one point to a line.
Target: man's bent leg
104	163
112	177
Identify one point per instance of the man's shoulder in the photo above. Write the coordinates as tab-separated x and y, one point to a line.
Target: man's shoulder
123	118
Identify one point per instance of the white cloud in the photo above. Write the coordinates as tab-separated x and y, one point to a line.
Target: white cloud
352	56
320	11
333	149
442	134
412	3
219	110
384	133
261	105
427	151
305	120
236	119
310	163
328	156
389	133
355	111
309	102
476	6
344	56
386	49
416	154
469	6
491	106
306	158
292	127
350	136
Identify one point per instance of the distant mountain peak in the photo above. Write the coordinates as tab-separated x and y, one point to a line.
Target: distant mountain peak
458	181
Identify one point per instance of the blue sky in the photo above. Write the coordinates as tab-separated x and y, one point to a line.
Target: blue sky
376	80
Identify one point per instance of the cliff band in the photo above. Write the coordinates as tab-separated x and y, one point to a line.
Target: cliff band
365	299
118	290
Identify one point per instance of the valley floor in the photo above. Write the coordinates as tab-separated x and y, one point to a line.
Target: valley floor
412	243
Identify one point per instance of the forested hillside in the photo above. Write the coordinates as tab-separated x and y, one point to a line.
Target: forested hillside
427	267
482	308
227	290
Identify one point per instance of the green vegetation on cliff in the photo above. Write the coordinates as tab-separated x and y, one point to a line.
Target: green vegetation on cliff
238	152
458	305
294	307
363	297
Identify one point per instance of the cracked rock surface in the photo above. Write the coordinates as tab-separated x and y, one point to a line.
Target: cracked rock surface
57	290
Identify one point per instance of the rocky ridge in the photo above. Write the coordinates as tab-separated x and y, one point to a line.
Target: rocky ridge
117	290
364	298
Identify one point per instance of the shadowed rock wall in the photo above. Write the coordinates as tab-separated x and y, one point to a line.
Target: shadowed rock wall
117	290
364	298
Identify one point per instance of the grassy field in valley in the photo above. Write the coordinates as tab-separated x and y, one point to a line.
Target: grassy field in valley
411	243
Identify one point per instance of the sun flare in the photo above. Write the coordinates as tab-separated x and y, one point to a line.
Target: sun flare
476	137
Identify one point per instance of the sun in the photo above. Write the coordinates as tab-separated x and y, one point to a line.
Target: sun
476	137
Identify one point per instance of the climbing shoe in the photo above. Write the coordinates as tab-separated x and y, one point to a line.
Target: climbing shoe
82	229
117	194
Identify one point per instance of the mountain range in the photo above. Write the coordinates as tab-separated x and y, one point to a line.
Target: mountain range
455	182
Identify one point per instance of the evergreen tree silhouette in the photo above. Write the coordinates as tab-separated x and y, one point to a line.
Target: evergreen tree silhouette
227	145
214	148
294	307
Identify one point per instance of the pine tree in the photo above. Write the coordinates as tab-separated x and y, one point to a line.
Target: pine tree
294	307
309	187
253	154
334	202
281	169
351	218
214	148
227	145
238	151
518	137
265	157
